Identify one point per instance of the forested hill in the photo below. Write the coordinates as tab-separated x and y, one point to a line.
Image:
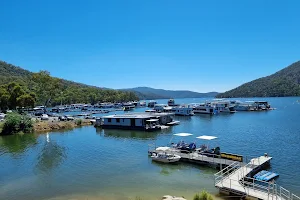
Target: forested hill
285	82
151	93
20	87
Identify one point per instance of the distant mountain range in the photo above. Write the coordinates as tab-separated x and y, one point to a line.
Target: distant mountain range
285	82
151	93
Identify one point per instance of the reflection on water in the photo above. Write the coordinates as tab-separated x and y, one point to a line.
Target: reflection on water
51	156
17	144
131	133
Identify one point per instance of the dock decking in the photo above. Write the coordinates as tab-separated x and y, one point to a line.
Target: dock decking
238	182
200	159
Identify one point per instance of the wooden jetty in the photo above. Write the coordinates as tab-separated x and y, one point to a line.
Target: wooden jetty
236	179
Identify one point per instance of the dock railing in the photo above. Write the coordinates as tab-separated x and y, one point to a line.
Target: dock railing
250	185
226	172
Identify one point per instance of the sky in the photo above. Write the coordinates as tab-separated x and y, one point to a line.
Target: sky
170	44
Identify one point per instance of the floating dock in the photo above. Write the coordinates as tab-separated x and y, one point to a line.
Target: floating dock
209	159
236	179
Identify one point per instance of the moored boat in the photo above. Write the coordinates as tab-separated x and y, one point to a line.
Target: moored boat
162	108
151	104
165	157
223	106
183	110
204	108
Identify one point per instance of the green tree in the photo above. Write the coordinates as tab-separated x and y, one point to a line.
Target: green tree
15	92
46	86
26	100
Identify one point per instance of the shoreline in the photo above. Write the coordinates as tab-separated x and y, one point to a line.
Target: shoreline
53	125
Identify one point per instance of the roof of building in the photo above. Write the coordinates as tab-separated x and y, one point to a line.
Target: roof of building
141	115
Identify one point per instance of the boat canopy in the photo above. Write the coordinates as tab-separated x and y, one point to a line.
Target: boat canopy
152	120
183	134
162	148
206	137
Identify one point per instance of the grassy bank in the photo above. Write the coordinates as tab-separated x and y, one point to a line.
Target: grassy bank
1	126
46	126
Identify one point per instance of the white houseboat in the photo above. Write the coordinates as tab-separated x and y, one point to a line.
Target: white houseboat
183	110
162	108
142	122
223	106
204	108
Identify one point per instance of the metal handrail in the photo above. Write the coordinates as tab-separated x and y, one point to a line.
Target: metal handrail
226	168
293	196
269	188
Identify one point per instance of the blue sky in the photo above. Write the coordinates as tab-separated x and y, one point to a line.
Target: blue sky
195	45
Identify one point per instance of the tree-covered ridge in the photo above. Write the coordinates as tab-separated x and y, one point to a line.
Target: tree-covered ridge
151	93
18	85
285	82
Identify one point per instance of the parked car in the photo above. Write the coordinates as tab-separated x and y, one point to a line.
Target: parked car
69	117
90	117
62	118
38	113
44	117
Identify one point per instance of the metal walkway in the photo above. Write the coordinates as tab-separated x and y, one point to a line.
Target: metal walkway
234	179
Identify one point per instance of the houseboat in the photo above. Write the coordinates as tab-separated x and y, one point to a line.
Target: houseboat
204	108
242	106
262	105
131	122
171	102
222	106
106	105
128	108
166	118
151	104
143	104
183	110
139	104
250	105
162	108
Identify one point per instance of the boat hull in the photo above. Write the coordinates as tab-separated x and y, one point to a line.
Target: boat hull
171	159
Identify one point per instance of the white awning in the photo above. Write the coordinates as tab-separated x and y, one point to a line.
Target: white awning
152	120
183	134
206	137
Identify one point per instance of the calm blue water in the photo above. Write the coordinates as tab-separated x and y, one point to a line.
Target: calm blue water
89	163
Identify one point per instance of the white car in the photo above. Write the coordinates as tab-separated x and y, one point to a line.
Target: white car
69	118
44	117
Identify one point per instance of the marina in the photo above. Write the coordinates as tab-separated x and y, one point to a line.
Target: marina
95	153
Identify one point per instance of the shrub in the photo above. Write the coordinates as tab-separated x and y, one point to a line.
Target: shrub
78	122
15	123
203	196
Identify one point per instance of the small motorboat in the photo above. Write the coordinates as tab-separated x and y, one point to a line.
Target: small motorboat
165	157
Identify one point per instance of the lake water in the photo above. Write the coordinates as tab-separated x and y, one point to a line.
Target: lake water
90	163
